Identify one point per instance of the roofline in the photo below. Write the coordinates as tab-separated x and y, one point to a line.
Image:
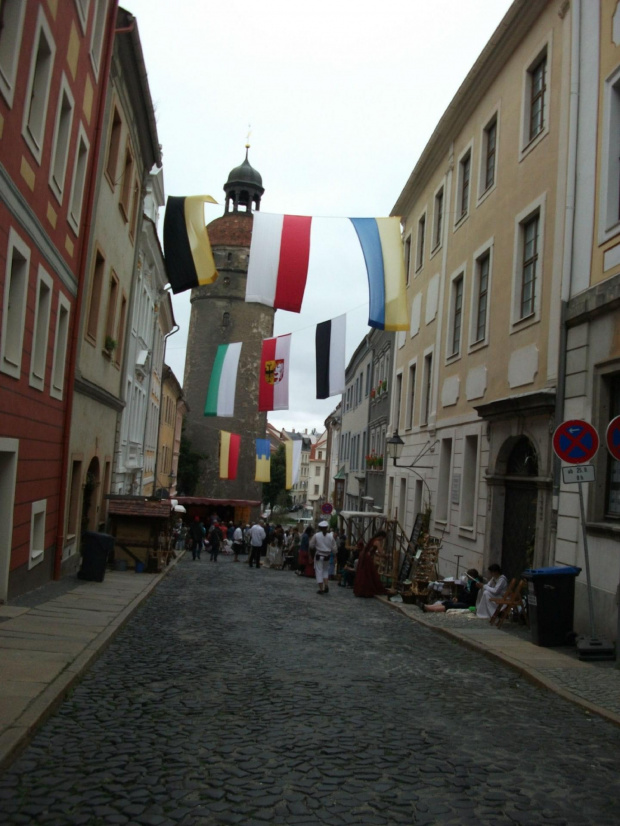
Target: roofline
509	33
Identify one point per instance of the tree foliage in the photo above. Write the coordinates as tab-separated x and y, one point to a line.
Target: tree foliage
274	492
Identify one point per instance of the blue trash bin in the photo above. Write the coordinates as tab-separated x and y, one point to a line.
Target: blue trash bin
551	603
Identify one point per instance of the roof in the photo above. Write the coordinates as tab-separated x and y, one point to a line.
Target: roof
231	230
139	506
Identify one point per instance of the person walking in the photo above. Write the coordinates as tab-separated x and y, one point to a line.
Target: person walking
215	538
196	534
257	537
237	542
324	545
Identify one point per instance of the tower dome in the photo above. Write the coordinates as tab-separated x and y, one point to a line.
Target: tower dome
243	188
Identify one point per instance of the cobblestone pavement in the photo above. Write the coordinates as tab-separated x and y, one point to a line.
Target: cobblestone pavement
241	696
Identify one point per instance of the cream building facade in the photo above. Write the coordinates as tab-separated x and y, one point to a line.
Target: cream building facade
484	230
590	387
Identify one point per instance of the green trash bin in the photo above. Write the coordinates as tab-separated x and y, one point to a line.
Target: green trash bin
550	603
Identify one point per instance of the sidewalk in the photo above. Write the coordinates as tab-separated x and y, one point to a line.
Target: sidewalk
49	638
594	685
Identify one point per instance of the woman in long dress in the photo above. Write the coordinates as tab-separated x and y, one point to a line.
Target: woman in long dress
495	587
367	580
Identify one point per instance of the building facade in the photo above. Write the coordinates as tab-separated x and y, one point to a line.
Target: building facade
354	428
130	153
53	77
476	377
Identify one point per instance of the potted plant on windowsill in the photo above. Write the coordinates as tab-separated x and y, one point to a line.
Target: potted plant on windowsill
110	345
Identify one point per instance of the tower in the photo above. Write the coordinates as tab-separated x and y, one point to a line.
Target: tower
221	315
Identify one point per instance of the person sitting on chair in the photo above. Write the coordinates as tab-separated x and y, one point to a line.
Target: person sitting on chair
466	599
495	587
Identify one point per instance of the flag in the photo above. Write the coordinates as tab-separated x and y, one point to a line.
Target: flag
382	246
263	461
286	248
229	454
189	259
293	462
221	393
274	371
278	265
330	361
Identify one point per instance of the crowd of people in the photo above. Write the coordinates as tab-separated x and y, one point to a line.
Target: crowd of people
321	554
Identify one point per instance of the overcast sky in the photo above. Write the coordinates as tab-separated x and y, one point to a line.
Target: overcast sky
341	97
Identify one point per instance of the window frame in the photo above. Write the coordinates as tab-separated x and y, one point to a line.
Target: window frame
438	218
8	69
78	180
97	279
39	85
407	255
470	475
61	341
412	368
41	329
16	324
609	188
426	397
36	554
518	321
113	149
420	242
529	142
484	251
98	35
484	188
461	214
454	333
58	149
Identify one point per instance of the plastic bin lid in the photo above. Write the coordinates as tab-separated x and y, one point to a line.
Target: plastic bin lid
570	570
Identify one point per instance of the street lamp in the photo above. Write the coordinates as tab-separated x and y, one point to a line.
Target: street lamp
394	447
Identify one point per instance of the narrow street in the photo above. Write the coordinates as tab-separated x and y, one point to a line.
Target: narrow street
236	695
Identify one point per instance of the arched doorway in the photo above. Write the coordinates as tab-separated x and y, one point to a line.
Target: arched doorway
89	497
520	508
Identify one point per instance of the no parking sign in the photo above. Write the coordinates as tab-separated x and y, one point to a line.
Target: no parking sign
575	441
613	438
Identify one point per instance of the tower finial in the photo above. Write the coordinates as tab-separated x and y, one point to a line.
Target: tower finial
247	140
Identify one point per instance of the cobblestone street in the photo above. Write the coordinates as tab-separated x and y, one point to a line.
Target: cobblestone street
240	696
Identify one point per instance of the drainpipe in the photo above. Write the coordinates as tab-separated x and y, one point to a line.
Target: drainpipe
569	230
81	273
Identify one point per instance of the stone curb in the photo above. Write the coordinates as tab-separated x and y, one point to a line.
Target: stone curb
19	734
530	674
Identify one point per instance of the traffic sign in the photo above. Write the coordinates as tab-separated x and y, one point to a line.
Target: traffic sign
613	438
575	441
578	473
327	508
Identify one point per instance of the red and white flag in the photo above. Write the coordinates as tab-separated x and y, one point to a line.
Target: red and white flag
274	373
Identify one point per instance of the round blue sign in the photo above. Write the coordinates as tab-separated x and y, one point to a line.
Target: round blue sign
575	441
613	438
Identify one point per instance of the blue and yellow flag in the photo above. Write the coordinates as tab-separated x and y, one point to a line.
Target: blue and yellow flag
263	461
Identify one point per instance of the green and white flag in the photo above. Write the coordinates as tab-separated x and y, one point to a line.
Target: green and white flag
221	392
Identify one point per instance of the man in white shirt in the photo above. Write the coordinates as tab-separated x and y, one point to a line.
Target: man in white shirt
237	542
257	537
324	545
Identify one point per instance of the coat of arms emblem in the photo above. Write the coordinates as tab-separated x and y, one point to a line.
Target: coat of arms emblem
274	371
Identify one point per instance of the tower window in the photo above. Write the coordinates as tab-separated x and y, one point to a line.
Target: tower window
226	320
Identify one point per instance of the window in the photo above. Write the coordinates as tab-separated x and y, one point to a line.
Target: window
62	135
456	316
610	157
538	97
481	295
96	43
419	256
438	219
462	192
397	399
11	25
426	388
317	471
60	347
79	179
528	263
114	148
120	333
96	288
111	313
468	488
529	266
14	305
37	91
37	533
82	10
407	258
127	183
316	490
367	384
42	312
135	209
489	156
611	404
443	481
410	397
